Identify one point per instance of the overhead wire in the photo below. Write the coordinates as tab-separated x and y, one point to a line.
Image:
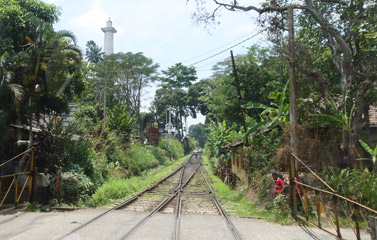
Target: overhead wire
216	48
216	54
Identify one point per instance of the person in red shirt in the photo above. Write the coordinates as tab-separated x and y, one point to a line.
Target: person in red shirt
278	183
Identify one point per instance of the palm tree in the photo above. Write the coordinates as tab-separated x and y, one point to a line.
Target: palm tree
94	54
53	57
11	94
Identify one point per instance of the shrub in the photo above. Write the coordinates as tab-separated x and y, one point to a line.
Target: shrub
280	209
161	155
189	145
112	190
359	186
76	187
176	147
138	158
80	157
121	121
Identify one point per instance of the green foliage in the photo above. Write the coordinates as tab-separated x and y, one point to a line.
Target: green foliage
79	157
198	133
178	76
85	120
189	145
87	111
138	159
339	118
117	188
176	147
120	120
262	150
114	189
93	53
132	72
76	186
356	185
278	114
368	149
13	18
220	135
160	154
280	209
31	207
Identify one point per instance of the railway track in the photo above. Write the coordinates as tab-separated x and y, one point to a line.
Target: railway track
9	210
183	189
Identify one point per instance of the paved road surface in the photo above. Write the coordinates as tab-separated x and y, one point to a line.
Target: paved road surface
48	226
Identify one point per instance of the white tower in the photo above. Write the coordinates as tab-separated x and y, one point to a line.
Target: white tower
109	31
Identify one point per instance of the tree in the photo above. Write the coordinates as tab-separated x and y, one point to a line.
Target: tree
11	94
54	60
121	120
178	76
198	133
343	27
174	93
47	60
175	98
94	55
278	113
14	19
131	72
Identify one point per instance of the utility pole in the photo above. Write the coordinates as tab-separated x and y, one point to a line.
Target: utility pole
169	127
292	84
104	100
237	81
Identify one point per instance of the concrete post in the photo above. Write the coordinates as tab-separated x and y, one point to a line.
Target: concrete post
373	227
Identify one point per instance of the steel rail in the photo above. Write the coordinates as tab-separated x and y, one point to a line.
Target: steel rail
159	207
222	212
123	204
178	207
177	222
12	218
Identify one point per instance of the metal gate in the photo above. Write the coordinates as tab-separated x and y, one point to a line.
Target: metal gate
355	213
28	171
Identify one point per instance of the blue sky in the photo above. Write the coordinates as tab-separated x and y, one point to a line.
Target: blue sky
163	30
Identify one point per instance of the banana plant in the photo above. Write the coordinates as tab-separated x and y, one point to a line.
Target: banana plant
372	152
275	115
339	118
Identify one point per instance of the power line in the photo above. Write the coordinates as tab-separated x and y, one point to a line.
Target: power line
216	48
214	55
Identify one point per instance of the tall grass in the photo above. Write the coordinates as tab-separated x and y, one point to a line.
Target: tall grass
236	201
116	188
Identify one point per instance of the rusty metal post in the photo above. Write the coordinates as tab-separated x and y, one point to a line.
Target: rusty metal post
33	175
306	203
292	187
318	208
16	191
335	206
356	212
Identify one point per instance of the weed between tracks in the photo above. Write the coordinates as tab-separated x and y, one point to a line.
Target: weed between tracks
116	189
